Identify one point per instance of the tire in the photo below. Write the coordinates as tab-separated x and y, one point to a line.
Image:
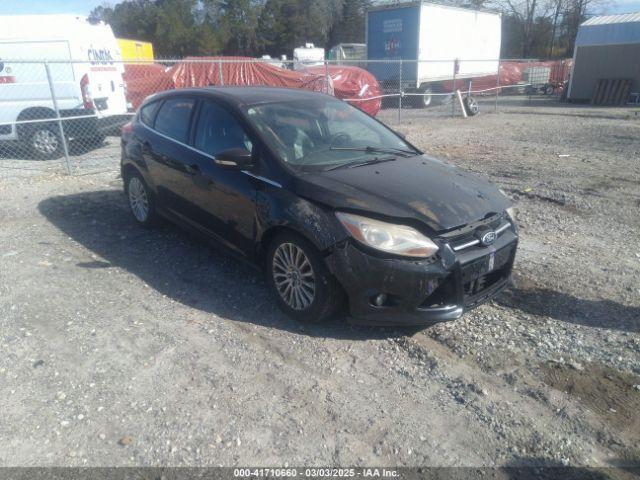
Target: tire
425	99
471	106
44	142
141	200
97	140
562	91
292	265
444	99
549	90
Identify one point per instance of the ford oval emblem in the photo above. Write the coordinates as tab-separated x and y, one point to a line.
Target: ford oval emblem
488	238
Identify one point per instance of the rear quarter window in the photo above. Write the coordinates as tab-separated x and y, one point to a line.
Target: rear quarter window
173	118
148	113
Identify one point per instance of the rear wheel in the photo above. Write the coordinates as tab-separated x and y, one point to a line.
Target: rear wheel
44	142
97	140
303	286
141	200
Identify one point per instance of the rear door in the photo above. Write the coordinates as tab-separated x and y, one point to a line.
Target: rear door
166	151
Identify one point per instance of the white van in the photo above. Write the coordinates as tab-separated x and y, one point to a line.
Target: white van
86	70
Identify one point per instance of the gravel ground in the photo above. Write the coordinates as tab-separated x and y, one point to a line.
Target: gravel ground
121	346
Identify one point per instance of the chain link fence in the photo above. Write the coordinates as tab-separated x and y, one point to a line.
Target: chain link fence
66	116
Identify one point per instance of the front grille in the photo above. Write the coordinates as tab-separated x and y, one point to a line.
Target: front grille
474	283
463	238
482	284
480	266
490	289
476	276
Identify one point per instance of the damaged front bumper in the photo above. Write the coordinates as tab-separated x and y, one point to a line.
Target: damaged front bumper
395	291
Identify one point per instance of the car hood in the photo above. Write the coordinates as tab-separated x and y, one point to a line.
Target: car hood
421	188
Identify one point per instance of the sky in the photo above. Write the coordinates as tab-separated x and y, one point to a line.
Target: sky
623	6
24	7
8	7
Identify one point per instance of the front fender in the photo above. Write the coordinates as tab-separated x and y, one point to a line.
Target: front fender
279	207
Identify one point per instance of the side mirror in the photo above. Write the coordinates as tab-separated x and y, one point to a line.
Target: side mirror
234	159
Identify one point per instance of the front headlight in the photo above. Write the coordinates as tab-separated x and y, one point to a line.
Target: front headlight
387	237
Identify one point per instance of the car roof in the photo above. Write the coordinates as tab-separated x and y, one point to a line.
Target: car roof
247	95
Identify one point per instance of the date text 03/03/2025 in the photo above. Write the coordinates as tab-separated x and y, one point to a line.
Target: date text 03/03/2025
316	472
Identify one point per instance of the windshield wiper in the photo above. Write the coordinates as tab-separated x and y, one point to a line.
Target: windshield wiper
372	149
356	164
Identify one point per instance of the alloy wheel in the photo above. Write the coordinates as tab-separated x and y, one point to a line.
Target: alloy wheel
45	141
293	276
138	199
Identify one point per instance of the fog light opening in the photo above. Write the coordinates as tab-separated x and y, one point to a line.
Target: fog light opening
379	300
432	285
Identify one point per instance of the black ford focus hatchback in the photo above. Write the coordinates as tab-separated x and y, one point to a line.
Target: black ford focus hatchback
340	211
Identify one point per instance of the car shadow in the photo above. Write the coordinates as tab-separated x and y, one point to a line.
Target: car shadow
567	308
182	266
537	468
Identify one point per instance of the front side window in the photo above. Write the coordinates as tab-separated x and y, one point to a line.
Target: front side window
173	118
217	130
323	132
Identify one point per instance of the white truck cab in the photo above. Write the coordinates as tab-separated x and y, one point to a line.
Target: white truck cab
85	67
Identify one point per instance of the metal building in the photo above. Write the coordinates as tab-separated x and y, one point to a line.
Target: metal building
607	47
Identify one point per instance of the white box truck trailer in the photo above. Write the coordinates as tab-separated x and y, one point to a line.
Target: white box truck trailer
85	68
432	41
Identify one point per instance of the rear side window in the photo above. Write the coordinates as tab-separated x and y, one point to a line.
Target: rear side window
148	112
173	118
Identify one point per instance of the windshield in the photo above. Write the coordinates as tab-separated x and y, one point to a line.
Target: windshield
324	133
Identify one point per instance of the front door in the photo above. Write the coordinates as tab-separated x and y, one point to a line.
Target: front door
226	197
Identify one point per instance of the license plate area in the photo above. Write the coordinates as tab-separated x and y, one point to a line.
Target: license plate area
101	103
487	264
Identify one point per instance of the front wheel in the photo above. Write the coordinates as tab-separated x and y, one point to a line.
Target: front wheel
299	279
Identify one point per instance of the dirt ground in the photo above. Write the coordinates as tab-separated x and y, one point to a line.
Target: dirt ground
121	346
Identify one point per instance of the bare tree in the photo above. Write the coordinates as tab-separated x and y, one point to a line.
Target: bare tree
574	13
558	9
525	12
